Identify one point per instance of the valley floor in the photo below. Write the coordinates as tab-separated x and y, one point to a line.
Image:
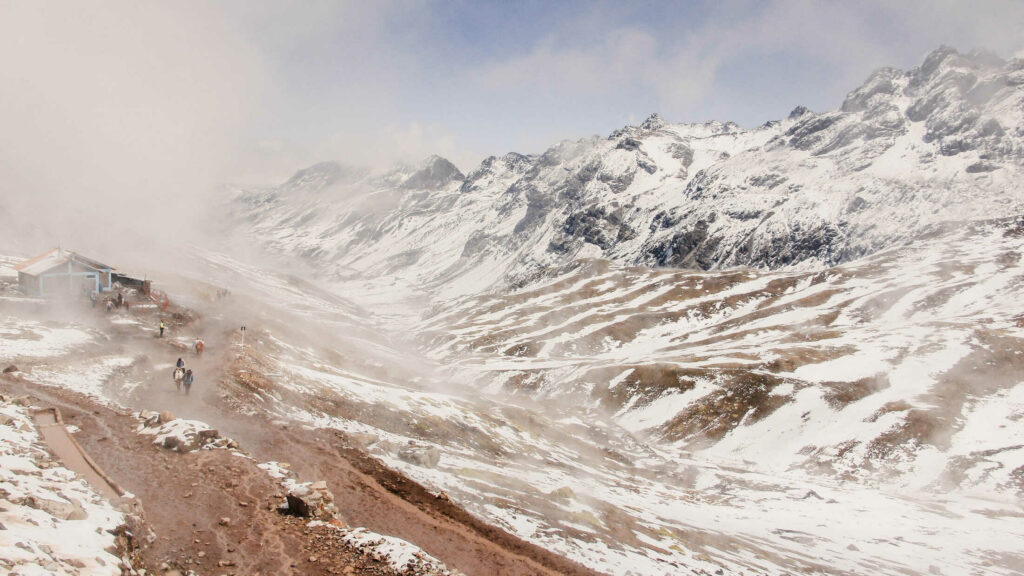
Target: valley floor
215	511
517	487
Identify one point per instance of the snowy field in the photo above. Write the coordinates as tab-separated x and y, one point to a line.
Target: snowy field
817	476
53	522
553	417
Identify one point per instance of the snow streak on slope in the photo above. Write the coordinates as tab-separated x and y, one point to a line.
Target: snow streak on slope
887	369
754	457
568	475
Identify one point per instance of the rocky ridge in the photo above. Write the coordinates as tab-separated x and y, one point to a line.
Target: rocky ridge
906	150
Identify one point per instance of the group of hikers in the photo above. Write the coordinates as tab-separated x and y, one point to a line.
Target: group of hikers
183	377
110	302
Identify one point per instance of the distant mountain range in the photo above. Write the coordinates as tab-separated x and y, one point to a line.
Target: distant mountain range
832	296
906	151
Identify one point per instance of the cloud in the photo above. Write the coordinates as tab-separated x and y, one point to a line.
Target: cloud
127	112
689	65
390	142
132	111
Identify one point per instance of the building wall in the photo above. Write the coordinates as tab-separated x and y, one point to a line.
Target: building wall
28	284
70	277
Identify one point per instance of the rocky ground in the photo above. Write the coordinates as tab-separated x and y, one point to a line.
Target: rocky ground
216	511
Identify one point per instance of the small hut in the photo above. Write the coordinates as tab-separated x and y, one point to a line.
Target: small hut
63	272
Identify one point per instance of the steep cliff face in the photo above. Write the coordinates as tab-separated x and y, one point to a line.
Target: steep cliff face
907	150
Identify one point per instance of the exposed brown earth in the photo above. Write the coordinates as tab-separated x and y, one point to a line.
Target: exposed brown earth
185	496
748	394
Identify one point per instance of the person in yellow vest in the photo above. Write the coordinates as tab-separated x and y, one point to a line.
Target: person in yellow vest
161	328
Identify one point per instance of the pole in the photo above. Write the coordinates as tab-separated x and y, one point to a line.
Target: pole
243	338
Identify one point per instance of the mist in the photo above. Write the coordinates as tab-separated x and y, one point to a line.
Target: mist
118	119
126	118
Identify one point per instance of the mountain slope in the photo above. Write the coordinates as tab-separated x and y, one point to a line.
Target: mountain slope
685	342
944	141
901	367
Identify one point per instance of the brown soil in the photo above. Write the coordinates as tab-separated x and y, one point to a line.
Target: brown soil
713	416
185	496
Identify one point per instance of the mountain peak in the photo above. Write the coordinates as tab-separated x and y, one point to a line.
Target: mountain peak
315	177
654	122
798	112
945	58
434	172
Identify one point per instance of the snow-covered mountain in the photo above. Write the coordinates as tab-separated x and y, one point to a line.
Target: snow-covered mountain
829	299
941	142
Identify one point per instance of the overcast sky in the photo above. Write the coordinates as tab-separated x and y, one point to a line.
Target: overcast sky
121	100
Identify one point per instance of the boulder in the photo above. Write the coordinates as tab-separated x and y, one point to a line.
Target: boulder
298	506
311	500
364	440
165	417
11	368
77	512
57	508
425	456
563	493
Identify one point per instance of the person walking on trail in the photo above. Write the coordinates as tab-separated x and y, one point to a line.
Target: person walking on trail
161	328
188	380
180	364
199	346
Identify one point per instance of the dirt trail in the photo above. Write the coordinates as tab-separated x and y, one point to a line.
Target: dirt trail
186	496
56	436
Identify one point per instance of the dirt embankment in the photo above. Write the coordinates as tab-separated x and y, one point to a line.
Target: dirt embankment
210	511
215	512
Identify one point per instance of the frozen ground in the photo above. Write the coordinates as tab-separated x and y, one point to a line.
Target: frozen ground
53	522
864	419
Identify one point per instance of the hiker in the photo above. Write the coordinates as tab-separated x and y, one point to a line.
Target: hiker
199	346
161	328
179	376
110	305
188	380
120	300
180	364
92	298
